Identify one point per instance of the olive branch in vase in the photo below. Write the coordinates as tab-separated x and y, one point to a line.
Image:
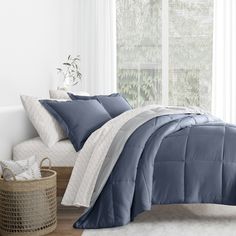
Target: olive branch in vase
70	71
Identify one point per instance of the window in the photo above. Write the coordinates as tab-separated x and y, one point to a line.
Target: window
164	51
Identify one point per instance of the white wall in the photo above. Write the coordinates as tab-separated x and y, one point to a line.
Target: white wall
35	37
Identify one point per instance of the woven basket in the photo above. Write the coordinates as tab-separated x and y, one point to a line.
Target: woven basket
29	207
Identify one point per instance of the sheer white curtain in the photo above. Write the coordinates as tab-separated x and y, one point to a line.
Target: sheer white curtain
96	40
224	60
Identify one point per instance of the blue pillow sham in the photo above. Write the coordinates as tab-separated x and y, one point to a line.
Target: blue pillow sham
115	104
78	118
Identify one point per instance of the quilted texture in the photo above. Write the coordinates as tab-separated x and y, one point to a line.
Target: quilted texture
46	125
60	154
61	94
169	159
102	149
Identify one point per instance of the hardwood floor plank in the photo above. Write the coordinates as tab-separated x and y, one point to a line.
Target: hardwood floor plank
66	216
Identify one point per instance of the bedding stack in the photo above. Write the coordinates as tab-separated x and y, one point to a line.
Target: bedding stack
64	122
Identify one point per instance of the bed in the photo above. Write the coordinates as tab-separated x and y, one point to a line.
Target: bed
127	159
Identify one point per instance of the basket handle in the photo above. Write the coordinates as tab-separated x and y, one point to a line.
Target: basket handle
9	171
49	163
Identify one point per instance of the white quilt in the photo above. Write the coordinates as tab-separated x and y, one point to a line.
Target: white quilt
90	159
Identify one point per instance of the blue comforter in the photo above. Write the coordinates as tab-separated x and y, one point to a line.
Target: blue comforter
168	160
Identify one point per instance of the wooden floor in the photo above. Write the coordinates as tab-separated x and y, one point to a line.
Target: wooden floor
66	217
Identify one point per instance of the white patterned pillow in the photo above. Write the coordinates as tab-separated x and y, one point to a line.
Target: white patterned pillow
33	172
61	94
47	127
29	166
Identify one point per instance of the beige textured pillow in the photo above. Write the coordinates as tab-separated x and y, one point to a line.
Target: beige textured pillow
47	127
61	94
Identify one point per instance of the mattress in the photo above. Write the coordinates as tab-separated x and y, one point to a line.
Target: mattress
62	154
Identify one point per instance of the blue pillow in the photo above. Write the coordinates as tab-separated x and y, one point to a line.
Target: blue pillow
78	118
115	104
